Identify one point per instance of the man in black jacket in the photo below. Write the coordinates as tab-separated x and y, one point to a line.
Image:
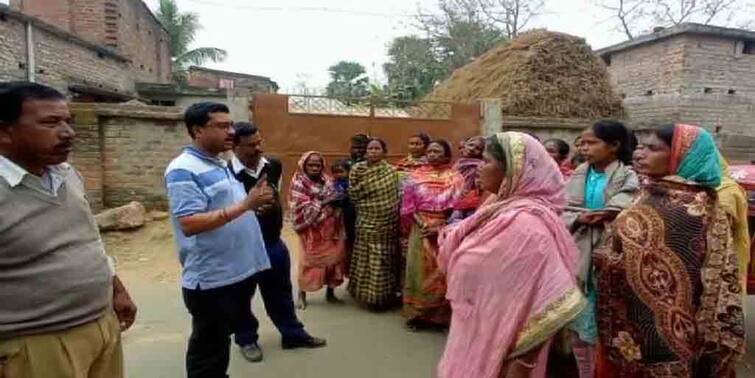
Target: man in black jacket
249	166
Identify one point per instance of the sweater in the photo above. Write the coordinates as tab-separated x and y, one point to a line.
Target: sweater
54	273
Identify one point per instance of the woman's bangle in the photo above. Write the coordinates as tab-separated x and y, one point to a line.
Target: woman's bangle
224	215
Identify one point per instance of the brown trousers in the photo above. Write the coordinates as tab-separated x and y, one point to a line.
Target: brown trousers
92	350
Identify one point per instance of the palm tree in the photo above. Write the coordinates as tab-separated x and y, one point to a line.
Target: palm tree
182	28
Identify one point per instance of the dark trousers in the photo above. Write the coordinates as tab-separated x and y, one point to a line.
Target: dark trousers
214	316
277	294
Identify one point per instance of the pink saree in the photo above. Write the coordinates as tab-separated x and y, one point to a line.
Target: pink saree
511	269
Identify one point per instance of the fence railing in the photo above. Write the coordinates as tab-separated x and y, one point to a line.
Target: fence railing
368	107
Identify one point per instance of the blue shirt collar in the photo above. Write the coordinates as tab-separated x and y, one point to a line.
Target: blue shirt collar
193	151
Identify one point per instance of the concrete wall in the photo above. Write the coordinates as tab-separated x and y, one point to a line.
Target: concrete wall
122	151
60	58
697	79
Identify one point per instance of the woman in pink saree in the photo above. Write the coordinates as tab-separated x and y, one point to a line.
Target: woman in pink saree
319	224
510	267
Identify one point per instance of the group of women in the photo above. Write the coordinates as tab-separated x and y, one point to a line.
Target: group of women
635	257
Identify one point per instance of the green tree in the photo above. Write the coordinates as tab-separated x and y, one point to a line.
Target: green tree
460	32
412	69
182	28
348	79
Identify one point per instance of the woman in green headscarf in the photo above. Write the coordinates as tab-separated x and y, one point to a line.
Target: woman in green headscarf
669	293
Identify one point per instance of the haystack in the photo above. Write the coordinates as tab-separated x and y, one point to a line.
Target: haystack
540	73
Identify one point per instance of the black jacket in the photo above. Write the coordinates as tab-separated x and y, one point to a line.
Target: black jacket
272	221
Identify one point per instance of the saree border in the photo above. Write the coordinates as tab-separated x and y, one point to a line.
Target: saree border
545	324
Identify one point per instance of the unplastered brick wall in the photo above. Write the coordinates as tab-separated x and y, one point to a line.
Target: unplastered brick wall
698	79
12	50
127	26
648	69
60	59
123	150
141	38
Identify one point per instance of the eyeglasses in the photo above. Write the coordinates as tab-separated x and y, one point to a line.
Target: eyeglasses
222	126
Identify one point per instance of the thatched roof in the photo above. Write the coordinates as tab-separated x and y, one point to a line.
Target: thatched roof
539	73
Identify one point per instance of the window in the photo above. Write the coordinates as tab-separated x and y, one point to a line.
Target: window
649	93
707	90
607	59
749	48
732	91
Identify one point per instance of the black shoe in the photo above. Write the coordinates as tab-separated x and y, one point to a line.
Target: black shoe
311	343
252	352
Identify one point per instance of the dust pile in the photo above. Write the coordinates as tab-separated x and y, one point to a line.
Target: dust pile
539	73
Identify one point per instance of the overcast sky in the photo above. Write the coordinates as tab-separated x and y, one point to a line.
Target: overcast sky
297	40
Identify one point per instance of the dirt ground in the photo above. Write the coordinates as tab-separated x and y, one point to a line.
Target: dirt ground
360	343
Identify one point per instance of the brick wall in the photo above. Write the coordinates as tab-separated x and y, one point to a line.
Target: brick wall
144	41
122	151
127	26
697	79
12	50
60	60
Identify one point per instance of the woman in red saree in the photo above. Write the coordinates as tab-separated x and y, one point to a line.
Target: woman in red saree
669	293
429	195
320	227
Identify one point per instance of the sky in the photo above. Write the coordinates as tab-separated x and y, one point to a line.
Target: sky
295	41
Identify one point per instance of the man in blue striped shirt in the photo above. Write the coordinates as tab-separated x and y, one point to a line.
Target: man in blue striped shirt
219	239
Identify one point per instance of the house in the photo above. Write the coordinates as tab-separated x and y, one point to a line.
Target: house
127	27
93	50
692	73
217	79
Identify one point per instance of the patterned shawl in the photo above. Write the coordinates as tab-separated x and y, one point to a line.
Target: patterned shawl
670	298
510	267
469	169
306	196
431	188
694	156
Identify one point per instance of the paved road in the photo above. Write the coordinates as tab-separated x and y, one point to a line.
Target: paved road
361	344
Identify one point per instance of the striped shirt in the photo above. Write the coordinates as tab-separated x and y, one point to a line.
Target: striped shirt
199	183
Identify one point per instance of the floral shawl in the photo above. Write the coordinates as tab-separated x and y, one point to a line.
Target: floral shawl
510	267
306	196
429	188
469	169
670	298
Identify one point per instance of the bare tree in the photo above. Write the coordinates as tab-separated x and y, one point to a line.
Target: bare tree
637	16
512	16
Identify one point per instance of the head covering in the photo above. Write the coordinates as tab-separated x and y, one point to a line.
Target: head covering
306	196
530	171
694	156
533	182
